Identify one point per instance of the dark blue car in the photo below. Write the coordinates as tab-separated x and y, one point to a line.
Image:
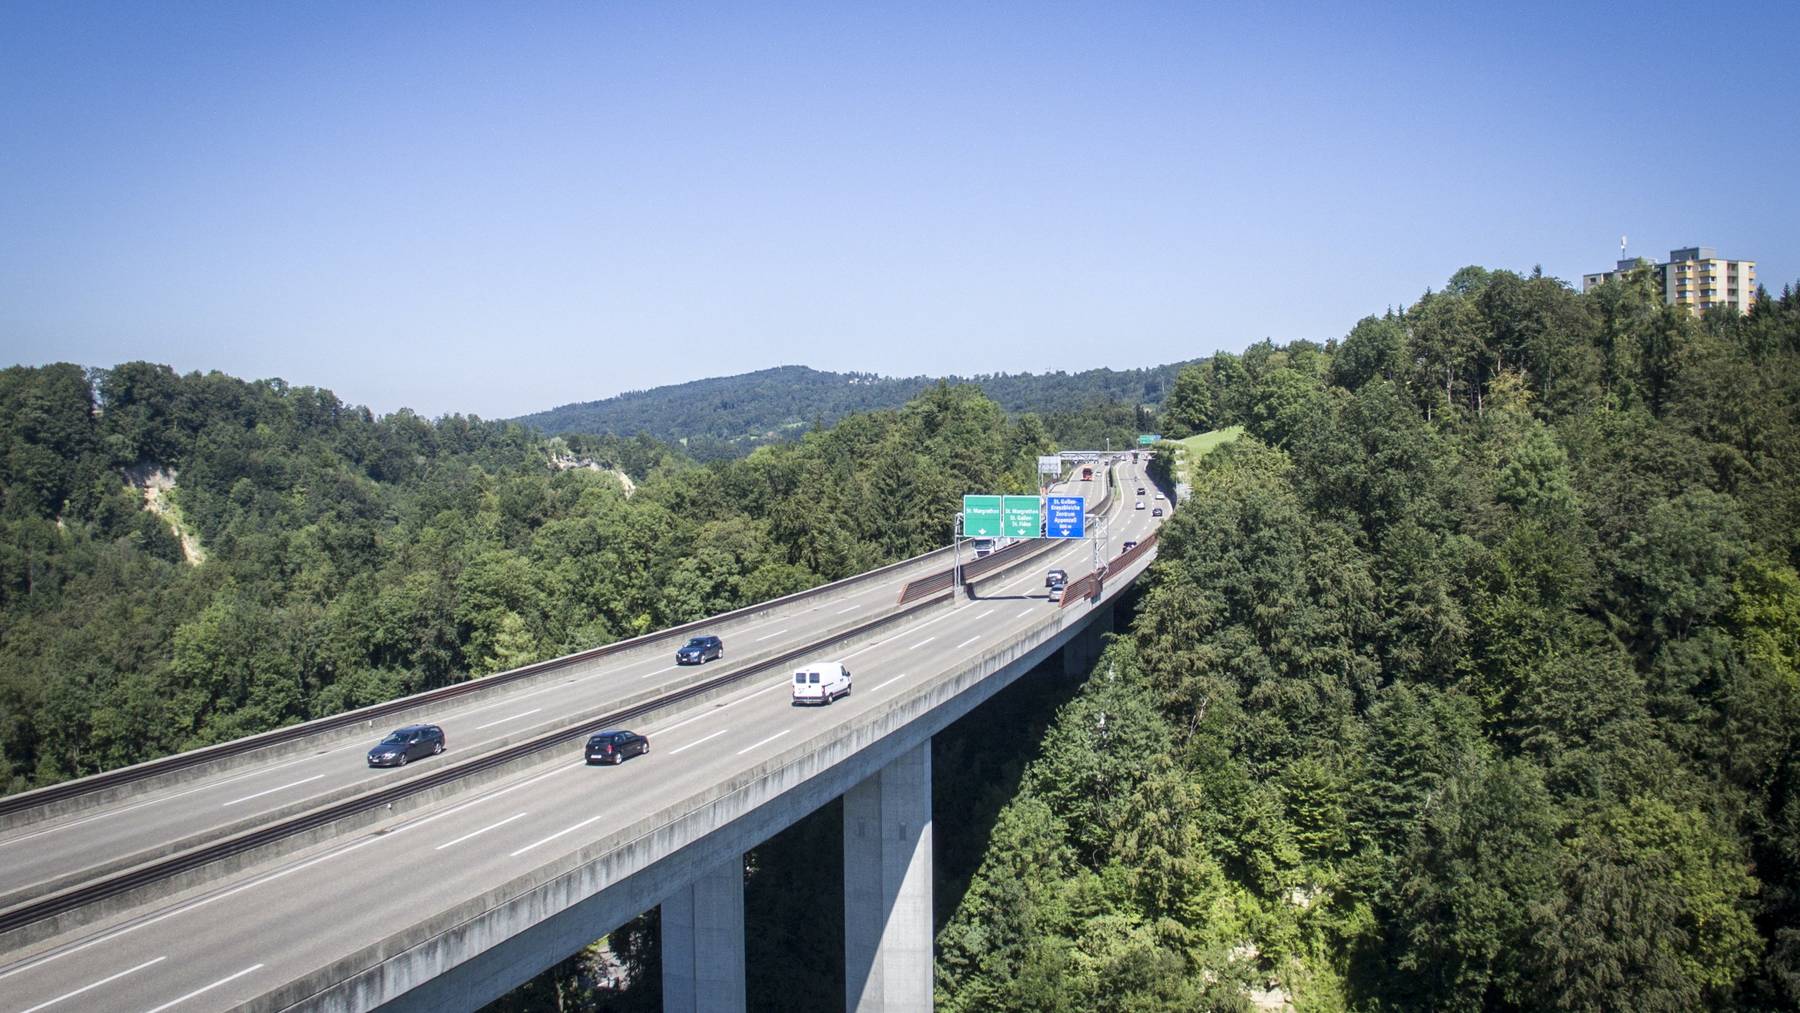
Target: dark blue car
408	743
700	650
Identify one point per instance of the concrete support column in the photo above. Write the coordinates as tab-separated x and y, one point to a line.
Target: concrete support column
703	942
1080	653
887	888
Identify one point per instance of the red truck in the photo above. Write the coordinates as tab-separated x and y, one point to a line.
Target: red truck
1087	474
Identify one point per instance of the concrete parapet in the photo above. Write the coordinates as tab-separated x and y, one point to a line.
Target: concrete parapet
335	730
477	950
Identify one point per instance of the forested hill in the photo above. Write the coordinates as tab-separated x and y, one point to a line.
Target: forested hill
728	416
1469	680
189	559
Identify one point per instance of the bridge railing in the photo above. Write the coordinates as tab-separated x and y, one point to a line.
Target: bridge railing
994	561
65	791
1090	585
44	916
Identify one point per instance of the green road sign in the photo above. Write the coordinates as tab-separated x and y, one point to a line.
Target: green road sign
1021	517
981	516
1145	439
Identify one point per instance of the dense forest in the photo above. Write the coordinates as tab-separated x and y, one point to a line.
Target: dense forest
328	559
1470	681
727	417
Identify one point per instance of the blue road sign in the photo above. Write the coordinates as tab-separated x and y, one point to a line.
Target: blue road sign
1068	517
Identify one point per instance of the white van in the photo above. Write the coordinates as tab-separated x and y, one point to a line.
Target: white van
821	682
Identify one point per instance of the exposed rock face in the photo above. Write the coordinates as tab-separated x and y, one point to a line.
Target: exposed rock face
564	462
156	484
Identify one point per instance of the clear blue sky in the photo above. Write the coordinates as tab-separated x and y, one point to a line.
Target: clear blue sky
499	208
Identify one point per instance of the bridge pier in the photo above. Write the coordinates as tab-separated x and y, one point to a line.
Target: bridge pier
887	888
1079	654
703	942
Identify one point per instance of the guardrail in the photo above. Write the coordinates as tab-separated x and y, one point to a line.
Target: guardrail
1090	585
978	568
76	897
63	791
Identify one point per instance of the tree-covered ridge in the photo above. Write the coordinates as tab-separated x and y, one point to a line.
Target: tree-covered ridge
1471	680
722	417
351	559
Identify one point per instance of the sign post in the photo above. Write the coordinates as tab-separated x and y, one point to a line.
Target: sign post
956	536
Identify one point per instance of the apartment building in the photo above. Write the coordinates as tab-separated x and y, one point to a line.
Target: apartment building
1695	277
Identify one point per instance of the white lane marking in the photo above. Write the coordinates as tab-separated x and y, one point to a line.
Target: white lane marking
888	683
104	814
696	742
1025	613
777	633
478	833
742	699
351	746
921	643
202	991
515	717
766	741
280	873
283	873
552	837
967	642
859	650
97	984
271	791
984	615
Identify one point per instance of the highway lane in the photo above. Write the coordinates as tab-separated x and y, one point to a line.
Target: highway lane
243	935
38	858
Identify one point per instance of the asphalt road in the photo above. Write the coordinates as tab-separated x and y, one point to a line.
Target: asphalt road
216	946
42	857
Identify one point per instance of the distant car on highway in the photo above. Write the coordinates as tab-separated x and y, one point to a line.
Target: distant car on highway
700	650
1057	575
821	682
616	746
408	743
1157	512
1129	545
1140	504
1140	490
1056	592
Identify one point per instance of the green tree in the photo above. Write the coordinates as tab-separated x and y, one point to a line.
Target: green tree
1653	914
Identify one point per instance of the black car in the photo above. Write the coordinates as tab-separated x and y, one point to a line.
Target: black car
408	743
1129	545
700	650
615	746
1056	576
1156	512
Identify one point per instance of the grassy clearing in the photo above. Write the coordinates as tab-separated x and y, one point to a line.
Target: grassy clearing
1196	447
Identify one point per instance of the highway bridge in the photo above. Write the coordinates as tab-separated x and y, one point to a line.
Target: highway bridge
280	872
